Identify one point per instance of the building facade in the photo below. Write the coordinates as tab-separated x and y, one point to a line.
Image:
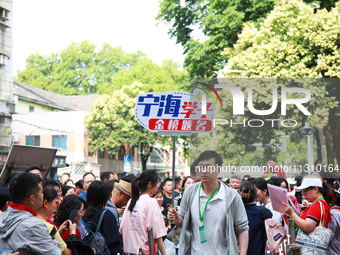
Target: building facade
6	80
47	119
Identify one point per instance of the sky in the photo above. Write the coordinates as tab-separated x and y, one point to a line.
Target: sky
48	26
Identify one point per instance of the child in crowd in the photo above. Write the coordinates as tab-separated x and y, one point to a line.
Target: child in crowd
159	198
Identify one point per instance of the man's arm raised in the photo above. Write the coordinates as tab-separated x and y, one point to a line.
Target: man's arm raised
174	216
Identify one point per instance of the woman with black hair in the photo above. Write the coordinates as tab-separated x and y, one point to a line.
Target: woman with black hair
67	190
257	231
69	203
50	203
262	193
141	212
96	199
283	183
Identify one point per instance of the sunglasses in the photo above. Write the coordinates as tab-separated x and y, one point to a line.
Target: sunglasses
304	190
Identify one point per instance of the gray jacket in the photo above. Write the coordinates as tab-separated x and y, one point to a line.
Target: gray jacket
236	220
334	225
21	230
110	206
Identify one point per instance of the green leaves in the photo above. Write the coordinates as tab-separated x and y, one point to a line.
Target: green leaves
82	69
220	22
155	78
112	122
292	42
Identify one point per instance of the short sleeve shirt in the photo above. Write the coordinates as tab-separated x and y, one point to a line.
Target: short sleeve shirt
214	216
314	212
58	238
134	224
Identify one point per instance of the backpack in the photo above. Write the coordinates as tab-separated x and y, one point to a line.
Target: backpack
95	239
78	246
276	234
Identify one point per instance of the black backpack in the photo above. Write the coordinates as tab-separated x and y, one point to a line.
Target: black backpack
78	246
95	239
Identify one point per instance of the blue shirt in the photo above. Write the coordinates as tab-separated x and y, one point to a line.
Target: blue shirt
257	231
83	195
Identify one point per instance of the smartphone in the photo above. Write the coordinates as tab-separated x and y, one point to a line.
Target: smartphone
9	251
53	232
72	216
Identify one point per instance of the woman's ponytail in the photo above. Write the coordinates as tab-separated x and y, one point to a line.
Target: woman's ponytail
327	193
248	192
135	193
140	185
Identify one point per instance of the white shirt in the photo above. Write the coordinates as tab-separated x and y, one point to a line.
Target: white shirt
277	216
214	223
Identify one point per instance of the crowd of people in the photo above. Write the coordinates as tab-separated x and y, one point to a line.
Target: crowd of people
204	215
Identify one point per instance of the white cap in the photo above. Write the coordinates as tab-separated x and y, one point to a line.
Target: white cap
309	182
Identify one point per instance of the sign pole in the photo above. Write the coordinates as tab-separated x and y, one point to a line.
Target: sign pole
173	169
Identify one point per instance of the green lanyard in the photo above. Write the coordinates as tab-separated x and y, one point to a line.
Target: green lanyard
199	200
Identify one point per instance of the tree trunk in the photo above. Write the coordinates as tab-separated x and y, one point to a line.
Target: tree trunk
336	140
318	144
329	144
145	156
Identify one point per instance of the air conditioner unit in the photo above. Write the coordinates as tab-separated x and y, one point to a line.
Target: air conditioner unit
4	14
3	60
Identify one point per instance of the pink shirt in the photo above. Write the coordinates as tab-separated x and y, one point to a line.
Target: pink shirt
133	227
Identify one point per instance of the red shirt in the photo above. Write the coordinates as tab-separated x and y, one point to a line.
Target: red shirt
314	212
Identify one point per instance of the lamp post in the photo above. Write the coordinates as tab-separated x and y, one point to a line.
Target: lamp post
307	130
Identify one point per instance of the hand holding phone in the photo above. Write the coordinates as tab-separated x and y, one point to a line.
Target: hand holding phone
53	232
72	216
72	227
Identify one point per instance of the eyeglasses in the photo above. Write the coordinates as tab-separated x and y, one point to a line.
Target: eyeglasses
304	190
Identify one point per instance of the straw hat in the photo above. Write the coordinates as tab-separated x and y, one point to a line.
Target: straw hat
124	187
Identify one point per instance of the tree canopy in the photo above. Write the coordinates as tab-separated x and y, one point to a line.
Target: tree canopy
112	121
294	42
83	69
204	28
154	78
219	21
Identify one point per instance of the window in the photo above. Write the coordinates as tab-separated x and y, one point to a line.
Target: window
121	153
31	108
59	142
156	157
33	140
101	154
